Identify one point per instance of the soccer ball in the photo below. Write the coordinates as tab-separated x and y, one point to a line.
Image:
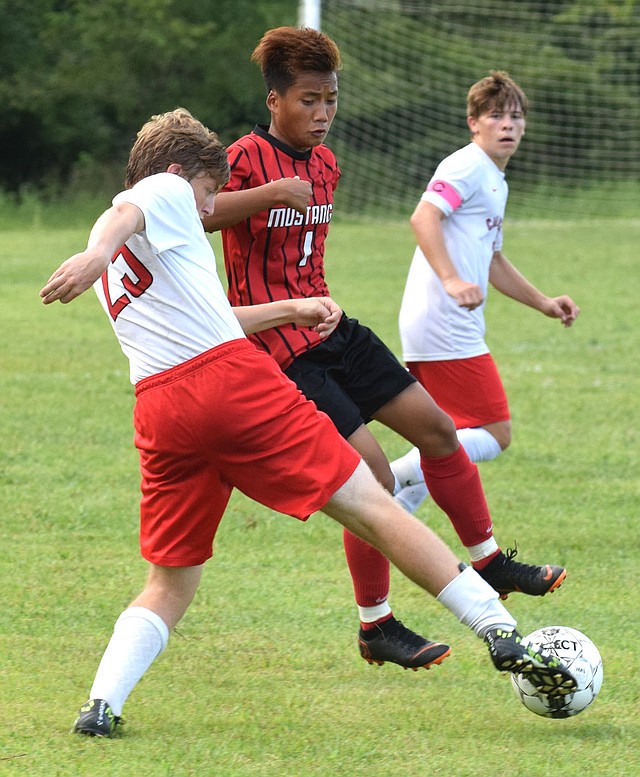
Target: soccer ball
582	658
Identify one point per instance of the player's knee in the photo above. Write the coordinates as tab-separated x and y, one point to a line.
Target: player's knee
502	434
439	438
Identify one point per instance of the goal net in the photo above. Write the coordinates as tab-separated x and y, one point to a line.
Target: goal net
407	67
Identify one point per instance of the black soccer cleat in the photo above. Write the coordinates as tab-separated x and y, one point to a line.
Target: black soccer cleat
394	642
545	672
507	576
96	719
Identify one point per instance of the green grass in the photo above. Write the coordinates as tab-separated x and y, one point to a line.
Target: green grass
262	677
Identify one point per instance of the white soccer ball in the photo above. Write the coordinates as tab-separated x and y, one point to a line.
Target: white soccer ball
582	658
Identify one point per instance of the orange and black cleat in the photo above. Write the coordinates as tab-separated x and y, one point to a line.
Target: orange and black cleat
394	642
507	576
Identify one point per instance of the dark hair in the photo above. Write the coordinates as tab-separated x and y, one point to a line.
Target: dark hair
176	137
497	90
285	52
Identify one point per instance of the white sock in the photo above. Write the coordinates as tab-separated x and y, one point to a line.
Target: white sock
483	549
479	444
373	614
474	602
411	497
407	469
139	636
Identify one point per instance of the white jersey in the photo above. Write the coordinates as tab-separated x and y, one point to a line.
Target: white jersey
472	192
161	291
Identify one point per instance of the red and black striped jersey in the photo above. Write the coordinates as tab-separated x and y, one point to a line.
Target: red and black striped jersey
279	253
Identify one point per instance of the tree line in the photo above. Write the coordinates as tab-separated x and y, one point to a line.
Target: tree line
78	77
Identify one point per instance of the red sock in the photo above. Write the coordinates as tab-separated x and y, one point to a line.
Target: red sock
454	484
370	626
482	563
369	571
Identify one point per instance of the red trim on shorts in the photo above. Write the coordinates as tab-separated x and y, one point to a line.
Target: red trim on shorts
469	390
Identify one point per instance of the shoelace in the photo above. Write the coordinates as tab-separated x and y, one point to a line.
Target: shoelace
512	552
521	570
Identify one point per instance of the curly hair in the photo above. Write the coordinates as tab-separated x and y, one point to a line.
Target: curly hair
176	137
285	52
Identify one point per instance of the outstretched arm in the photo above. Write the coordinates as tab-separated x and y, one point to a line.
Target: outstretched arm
319	313
507	279
427	226
82	270
233	207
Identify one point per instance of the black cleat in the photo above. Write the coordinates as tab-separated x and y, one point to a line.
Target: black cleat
545	672
507	576
392	641
96	719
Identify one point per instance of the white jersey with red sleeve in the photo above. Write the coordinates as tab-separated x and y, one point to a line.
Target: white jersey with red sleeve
472	192
161	290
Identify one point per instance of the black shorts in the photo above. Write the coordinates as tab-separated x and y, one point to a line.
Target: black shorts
350	375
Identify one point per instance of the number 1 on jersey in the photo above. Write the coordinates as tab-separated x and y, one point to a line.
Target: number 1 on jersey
307	248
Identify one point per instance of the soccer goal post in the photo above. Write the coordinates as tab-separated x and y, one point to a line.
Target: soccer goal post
408	64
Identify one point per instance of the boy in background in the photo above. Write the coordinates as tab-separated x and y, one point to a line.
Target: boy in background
458	227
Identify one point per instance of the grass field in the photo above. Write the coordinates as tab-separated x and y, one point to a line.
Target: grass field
262	677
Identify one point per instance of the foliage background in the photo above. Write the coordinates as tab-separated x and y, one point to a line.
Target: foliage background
78	79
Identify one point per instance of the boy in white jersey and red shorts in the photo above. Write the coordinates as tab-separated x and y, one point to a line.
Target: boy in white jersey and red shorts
274	215
458	227
214	412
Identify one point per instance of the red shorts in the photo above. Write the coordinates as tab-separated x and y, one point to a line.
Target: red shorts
228	418
469	390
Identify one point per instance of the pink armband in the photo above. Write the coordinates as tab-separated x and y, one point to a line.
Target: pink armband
446	191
